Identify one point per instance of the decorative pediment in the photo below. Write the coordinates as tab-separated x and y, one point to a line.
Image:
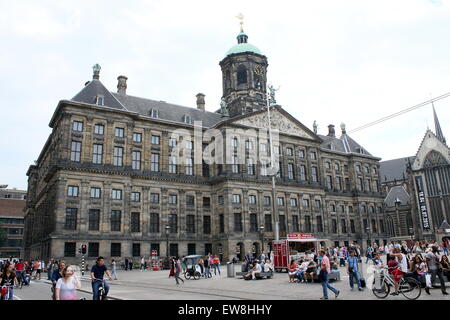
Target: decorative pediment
432	152
279	122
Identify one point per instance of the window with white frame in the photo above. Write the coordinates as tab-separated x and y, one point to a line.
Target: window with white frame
154	164
97	154
137	137
118	156
72	191
75	151
116	194
135	197
119	132
155	139
96	192
99	129
136	160
189	166
172	164
77	126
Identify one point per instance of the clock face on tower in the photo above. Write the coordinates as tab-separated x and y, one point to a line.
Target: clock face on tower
259	70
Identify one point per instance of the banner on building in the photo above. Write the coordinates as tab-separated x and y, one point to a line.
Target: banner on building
300	236
423	211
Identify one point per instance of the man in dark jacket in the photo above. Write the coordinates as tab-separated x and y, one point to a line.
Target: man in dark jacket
56	275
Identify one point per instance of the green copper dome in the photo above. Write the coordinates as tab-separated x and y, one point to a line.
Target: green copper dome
243	45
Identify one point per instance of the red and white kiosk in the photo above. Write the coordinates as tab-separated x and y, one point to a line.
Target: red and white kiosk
155	261
293	247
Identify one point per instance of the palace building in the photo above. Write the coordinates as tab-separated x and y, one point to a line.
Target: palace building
125	176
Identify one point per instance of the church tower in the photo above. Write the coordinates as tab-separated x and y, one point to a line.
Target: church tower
244	77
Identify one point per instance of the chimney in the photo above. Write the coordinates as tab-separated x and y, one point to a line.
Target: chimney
331	132
200	101
122	84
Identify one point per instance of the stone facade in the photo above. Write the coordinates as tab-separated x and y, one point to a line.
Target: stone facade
218	208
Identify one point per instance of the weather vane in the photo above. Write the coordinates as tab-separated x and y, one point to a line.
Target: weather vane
240	16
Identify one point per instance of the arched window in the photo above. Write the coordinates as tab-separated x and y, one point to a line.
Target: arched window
241	75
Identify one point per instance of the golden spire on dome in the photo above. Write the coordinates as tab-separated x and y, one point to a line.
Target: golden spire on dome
240	16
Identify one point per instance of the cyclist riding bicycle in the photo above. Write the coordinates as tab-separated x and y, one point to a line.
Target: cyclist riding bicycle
97	272
397	268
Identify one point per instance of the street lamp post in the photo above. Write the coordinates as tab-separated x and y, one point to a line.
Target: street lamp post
397	205
167	240
261	231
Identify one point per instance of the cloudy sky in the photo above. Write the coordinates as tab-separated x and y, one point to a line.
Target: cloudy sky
350	61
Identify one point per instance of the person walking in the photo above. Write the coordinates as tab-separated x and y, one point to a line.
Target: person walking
20	269
49	270
177	265
36	270
435	268
207	268
66	286
216	263
56	275
352	270
126	264
113	269
130	264
369	254
142	263
323	276
445	245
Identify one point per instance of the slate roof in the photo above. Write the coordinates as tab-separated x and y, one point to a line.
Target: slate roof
168	111
93	89
142	106
391	170
397	192
343	144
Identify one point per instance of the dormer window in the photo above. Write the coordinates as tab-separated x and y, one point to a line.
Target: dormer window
187	119
154	113
100	100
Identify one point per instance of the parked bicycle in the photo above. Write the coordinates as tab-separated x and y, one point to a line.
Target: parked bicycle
409	287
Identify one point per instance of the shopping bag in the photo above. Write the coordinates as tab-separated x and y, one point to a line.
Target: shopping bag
428	280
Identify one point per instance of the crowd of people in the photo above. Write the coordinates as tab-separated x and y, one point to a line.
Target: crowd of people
424	261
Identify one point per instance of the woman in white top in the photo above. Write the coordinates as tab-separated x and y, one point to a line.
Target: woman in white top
66	287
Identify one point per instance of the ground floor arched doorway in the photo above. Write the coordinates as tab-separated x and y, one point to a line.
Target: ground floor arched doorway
240	251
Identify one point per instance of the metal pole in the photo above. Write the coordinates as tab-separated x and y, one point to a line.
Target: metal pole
272	160
82	265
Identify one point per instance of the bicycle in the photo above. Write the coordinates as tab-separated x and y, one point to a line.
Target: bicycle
409	287
101	290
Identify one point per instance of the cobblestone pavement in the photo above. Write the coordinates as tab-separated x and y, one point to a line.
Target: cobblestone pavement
148	285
